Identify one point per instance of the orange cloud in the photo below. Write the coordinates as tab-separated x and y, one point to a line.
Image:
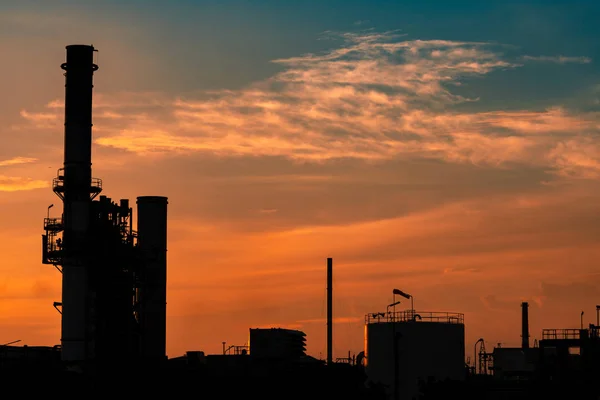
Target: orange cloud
18	183
351	102
15	184
577	158
16	161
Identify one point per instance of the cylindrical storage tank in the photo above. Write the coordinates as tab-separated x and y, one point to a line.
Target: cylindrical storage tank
428	345
152	243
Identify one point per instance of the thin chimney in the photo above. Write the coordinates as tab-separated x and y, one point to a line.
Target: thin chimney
329	311
524	325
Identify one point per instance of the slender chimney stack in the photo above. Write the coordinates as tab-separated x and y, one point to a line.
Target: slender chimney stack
75	187
329	311
524	325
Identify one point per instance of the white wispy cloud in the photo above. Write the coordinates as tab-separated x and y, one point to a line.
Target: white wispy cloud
559	59
376	97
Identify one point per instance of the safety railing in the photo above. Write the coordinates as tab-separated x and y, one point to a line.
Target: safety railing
417	316
561	334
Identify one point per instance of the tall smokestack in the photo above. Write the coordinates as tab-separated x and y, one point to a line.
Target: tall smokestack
524	325
152	242
329	311
75	187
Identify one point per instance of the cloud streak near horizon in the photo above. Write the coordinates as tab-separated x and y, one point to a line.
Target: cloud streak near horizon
376	98
14	183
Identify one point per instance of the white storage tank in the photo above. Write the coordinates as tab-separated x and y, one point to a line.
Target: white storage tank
429	345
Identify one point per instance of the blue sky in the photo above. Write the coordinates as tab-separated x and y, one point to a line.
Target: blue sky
251	33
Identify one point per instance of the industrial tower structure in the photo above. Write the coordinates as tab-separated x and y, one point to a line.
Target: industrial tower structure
113	277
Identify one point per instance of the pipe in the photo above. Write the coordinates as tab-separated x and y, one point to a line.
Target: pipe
152	242
76	326
524	325
329	311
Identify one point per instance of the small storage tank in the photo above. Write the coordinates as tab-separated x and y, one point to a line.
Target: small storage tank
429	345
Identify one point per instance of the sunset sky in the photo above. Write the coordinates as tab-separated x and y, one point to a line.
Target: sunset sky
448	149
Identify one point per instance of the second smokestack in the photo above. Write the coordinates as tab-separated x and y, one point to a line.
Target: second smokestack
329	311
525	325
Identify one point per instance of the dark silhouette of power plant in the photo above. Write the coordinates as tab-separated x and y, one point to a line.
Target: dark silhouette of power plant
113	316
114	293
113	278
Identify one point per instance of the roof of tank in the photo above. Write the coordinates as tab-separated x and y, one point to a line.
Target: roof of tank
409	316
149	199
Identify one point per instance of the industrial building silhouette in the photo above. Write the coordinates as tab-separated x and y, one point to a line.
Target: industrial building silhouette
113	278
113	316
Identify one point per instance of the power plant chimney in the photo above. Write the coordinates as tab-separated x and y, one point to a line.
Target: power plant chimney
113	279
329	311
524	325
152	242
74	185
